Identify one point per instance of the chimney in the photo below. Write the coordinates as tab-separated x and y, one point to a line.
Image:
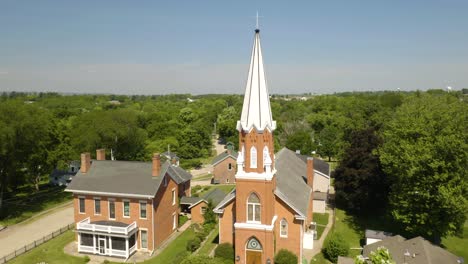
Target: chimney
156	164
85	162
100	154
174	161
310	171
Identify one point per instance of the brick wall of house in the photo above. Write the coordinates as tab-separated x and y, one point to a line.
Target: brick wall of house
104	216
164	211
222	173
293	240
184	189
196	212
226	223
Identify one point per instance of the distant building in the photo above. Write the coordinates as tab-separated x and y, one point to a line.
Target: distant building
172	157
373	236
197	206
64	177
224	166
126	206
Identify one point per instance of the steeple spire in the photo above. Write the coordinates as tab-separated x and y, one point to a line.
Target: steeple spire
256	111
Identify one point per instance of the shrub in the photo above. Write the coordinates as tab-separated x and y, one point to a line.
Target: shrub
285	256
225	251
199	259
335	246
193	244
106	261
86	259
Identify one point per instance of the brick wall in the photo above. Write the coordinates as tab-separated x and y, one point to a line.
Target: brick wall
226	223
197	216
221	172
164	211
293	240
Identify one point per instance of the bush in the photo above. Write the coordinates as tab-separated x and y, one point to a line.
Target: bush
193	244
225	251
106	261
86	259
199	259
335	246
285	256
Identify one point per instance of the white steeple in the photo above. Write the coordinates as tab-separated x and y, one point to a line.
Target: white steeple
256	111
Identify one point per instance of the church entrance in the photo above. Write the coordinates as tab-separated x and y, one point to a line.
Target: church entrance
253	251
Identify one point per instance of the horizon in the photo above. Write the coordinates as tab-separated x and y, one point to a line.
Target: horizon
148	48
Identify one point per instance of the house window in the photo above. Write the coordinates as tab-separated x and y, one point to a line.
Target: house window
253	157
173	197
97	206
203	209
144	238
283	228
253	208
174	221
230	166
126	208
111	209
82	205
227	180
143	209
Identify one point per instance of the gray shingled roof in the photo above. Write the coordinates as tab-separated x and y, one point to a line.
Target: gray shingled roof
125	177
420	251
319	164
190	200
377	234
290	182
216	196
224	155
290	186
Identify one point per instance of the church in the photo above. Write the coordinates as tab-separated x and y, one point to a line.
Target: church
271	206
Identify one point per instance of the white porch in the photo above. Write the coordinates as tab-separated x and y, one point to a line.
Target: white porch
107	238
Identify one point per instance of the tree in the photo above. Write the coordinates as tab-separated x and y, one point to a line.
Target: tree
335	246
425	155
226	124
329	139
300	140
224	251
285	256
360	184
209	215
379	256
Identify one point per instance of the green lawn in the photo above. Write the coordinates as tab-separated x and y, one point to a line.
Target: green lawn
51	252
322	221
203	177
211	242
458	245
26	204
319	259
348	231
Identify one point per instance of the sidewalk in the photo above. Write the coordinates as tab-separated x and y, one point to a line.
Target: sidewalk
318	244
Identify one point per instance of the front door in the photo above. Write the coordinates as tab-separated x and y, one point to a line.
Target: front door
254	257
102	246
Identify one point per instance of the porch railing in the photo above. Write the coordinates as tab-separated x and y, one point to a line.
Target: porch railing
86	225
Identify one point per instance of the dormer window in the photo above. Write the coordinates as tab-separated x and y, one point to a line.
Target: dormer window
253	158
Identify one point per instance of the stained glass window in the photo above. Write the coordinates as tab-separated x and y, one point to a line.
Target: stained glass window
254	244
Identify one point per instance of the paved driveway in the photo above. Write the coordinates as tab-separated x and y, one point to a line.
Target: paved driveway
17	236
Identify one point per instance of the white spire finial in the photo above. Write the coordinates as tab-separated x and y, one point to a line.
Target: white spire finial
257	21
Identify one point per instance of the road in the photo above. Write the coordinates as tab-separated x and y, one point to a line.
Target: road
17	236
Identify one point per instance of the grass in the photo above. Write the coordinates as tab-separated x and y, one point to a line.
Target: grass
203	177
348	231
25	204
182	220
319	259
51	252
322	221
458	245
211	242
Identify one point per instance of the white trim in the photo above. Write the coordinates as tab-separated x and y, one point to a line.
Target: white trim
100	207
220	211
201	210
108	208
152	221
173	196
321	173
202	200
174	221
123	208
257	226
147	235
79	204
126	195
266	176
281	228
146	209
253	157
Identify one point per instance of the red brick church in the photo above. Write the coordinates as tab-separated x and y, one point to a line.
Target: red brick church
271	205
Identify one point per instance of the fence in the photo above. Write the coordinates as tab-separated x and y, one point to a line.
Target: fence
36	243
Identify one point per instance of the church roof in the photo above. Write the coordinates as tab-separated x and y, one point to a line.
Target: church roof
125	178
256	110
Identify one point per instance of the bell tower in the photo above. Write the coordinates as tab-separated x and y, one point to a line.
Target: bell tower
255	177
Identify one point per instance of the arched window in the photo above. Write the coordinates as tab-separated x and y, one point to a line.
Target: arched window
253	208
283	228
253	158
253	244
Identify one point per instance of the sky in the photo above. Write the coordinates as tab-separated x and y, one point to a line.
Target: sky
200	47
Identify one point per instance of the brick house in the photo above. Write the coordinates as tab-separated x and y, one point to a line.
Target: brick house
197	206
224	167
125	206
271	206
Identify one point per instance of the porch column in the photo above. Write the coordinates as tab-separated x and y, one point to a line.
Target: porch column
79	242
94	243
110	245
126	247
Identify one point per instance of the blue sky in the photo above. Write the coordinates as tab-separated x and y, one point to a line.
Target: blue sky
159	47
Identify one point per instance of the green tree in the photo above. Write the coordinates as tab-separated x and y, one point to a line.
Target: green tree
209	216
300	140
360	184
329	142
379	256
226	124
425	155
335	246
